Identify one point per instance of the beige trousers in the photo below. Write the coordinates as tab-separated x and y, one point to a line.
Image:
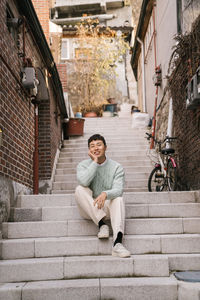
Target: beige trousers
113	209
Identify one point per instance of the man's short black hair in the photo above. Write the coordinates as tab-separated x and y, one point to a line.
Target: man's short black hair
96	137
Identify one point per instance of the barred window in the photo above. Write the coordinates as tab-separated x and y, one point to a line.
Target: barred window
65	49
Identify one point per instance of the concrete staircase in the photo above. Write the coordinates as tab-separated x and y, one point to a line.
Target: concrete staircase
49	251
125	145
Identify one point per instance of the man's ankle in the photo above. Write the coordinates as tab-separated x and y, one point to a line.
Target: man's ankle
119	238
101	222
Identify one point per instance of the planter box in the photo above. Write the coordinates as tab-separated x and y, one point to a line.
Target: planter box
74	127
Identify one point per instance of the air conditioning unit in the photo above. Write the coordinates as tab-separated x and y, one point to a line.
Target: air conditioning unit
193	91
28	77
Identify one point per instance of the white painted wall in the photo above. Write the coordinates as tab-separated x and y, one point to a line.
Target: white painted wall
123	14
166	28
125	76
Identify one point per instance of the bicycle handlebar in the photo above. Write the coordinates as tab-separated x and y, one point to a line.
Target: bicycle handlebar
160	142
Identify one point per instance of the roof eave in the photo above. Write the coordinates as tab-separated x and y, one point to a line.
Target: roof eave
145	12
27	9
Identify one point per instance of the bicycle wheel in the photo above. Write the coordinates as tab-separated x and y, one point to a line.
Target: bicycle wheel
156	181
171	176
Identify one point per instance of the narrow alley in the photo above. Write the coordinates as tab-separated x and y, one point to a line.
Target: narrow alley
49	251
125	145
118	68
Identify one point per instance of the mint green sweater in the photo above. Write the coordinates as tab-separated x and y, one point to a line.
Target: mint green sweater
107	177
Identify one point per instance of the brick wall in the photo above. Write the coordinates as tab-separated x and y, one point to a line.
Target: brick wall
42	10
16	112
186	122
187	129
62	70
49	135
55	128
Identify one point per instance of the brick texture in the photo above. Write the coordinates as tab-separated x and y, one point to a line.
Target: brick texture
62	70
17	111
42	9
186	122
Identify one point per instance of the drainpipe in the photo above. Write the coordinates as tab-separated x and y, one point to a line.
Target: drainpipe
36	154
143	77
156	97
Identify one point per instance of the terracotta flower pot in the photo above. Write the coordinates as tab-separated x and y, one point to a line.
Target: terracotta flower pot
75	126
90	114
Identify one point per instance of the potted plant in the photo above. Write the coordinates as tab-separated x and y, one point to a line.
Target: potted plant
91	109
75	127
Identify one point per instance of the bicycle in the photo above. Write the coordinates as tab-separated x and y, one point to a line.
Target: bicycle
163	177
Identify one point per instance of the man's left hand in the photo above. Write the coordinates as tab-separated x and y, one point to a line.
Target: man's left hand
100	200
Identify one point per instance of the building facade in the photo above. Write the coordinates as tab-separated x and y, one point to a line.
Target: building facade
155	67
31	105
115	14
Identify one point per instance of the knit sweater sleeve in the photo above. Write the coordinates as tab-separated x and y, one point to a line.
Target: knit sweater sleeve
86	173
118	184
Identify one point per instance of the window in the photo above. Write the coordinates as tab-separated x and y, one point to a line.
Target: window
83	53
65	49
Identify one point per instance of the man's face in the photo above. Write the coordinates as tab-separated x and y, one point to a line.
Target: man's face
97	148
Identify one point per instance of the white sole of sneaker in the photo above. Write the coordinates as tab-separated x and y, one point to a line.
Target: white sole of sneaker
103	236
120	255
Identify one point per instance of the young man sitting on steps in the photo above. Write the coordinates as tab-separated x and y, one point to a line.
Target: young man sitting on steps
99	195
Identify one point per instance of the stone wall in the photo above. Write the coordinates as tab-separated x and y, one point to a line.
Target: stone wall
186	122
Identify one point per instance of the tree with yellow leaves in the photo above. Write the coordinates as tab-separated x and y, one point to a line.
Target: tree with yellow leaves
93	72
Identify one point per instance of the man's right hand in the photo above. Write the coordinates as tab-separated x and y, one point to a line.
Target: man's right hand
92	156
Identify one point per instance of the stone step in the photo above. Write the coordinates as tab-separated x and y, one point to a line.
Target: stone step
72	184
129	145
124	163
132	211
77	159
111	148
87	227
107	130
129	140
130	190
128	170
49	200
34	269
113	137
188	290
110	144
114	131
162	288
87	245
113	154
128	177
